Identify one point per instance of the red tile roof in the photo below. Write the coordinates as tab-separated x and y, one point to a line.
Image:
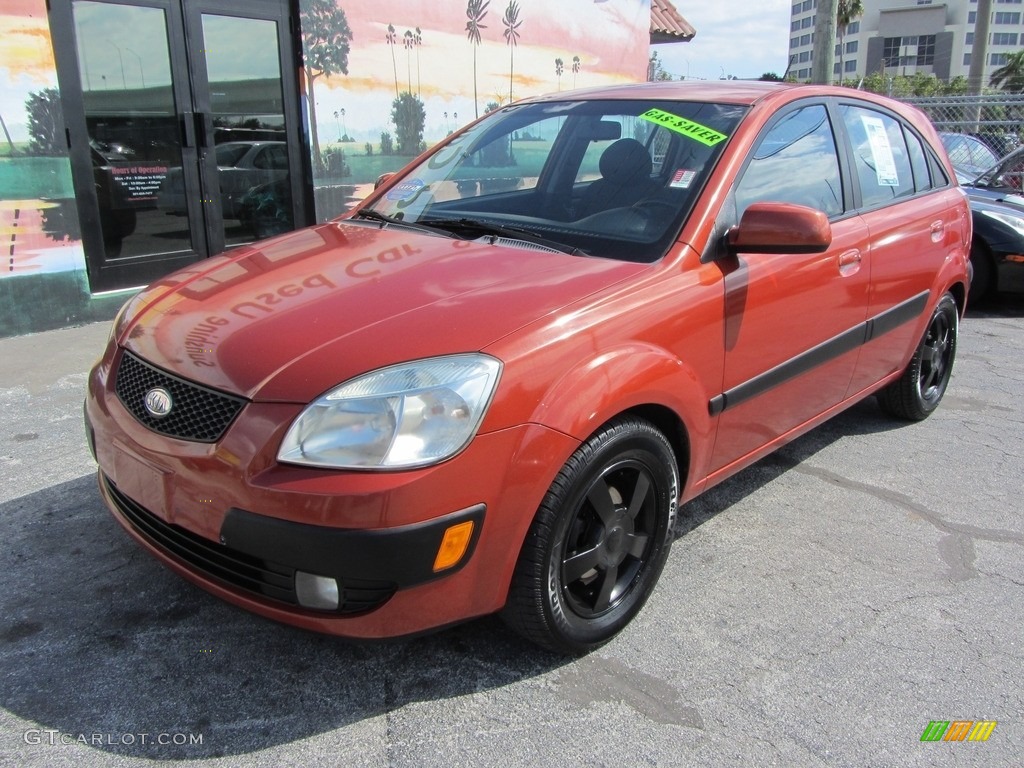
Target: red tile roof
668	25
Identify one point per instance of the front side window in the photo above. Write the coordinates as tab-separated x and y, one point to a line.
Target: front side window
880	157
603	178
795	162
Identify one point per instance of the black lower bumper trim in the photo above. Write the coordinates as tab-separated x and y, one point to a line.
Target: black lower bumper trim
403	555
271	577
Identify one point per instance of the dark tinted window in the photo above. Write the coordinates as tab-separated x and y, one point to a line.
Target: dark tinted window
795	162
879	154
918	163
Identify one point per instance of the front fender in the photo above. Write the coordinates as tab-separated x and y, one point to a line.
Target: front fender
625	378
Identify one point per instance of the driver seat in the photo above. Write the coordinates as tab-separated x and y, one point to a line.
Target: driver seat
625	178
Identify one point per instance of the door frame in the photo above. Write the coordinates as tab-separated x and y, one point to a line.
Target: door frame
205	222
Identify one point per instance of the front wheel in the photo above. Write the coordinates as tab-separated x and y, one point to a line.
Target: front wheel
917	393
599	540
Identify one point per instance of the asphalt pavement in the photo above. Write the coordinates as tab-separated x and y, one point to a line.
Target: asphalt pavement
821	608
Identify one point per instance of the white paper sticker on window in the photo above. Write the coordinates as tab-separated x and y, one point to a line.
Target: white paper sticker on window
881	151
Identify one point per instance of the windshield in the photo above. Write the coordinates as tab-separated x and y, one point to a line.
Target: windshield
1007	174
604	178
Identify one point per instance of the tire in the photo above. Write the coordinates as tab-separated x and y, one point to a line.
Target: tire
918	391
983	282
599	540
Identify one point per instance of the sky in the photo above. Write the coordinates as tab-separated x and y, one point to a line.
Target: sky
744	38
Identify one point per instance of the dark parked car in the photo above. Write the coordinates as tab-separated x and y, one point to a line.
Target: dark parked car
489	387
997	207
970	156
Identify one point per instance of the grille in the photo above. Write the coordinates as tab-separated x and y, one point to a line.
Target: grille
251	574
198	413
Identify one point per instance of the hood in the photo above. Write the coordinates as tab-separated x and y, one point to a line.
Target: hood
1003	195
294	316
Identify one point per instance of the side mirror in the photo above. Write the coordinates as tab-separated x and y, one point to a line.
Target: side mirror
780	228
382	178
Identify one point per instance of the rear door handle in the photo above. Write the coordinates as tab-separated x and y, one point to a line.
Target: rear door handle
938	227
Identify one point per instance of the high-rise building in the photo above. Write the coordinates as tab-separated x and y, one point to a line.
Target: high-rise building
901	37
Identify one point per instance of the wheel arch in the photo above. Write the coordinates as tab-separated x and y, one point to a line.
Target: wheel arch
634	379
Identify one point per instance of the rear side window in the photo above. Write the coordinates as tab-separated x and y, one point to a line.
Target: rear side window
880	156
795	162
919	163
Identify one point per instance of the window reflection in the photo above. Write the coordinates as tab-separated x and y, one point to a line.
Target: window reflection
130	113
243	69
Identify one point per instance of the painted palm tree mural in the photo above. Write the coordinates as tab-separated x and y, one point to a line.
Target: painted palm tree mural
389	116
512	24
409	42
418	41
326	38
476	11
392	38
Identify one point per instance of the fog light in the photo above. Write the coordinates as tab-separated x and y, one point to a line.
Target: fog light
314	591
453	545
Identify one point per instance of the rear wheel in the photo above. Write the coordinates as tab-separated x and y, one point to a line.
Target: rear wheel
918	391
599	540
983	281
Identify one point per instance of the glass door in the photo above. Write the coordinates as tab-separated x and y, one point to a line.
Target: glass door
182	128
241	98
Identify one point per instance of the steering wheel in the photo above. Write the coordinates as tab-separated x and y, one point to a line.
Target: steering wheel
652	210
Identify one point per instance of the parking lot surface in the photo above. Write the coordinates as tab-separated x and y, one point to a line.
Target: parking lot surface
821	608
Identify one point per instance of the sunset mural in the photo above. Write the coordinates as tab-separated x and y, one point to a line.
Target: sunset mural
457	59
381	81
35	182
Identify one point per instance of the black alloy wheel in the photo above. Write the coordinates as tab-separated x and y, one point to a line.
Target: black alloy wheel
599	540
917	393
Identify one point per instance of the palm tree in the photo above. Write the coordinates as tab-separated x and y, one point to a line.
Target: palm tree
1010	76
409	42
476	10
512	24
559	69
418	40
575	69
848	11
392	39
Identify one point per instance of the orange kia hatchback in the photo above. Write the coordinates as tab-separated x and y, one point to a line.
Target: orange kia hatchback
489	386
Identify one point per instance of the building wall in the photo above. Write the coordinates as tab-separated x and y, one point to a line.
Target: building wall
416	50
420	54
952	23
43	281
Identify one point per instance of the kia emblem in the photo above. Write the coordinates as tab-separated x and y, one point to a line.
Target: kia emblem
158	402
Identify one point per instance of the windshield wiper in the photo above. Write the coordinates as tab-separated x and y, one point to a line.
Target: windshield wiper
369	213
489	229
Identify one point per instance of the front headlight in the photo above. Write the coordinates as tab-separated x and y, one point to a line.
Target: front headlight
1015	223
408	415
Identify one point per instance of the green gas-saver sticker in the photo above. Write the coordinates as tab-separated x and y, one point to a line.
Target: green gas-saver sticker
707	136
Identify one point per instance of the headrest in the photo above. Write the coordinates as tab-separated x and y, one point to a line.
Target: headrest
626	162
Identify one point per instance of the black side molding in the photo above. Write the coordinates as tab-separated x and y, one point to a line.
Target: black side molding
847	341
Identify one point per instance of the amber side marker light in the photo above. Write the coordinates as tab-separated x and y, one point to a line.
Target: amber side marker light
453	545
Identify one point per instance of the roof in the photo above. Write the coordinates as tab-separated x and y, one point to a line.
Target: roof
668	25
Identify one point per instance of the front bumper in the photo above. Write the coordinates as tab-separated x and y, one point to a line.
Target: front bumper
261	556
227	517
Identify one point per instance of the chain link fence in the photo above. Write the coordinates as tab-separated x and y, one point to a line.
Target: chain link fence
996	119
